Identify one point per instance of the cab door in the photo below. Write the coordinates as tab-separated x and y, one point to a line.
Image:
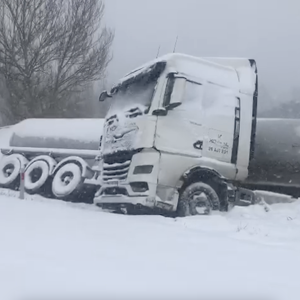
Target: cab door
206	124
182	130
221	109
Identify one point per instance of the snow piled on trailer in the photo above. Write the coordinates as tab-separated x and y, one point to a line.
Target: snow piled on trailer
81	129
50	248
58	133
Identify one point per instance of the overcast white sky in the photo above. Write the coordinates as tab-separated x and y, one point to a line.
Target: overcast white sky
266	30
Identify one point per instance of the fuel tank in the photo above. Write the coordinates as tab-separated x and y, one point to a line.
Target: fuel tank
83	134
277	154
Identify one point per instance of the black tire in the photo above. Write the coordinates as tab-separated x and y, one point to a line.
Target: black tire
192	198
36	176
10	167
69	189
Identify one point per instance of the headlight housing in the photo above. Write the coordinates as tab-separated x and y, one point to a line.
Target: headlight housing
144	169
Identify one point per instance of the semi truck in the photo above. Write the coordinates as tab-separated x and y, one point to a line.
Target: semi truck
182	137
56	156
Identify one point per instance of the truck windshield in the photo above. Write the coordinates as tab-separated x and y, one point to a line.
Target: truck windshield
136	94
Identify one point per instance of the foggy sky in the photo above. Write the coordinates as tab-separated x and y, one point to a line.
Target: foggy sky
266	30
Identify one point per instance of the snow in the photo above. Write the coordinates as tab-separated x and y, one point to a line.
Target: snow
272	198
123	133
51	248
220	70
82	129
78	137
246	73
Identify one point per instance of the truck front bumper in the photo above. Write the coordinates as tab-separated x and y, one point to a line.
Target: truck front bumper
135	182
121	199
151	200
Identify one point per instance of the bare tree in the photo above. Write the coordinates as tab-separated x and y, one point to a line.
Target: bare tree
6	117
51	50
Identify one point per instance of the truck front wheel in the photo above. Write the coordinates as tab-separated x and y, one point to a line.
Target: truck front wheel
67	181
197	199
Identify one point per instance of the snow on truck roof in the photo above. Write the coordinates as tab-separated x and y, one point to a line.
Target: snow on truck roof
236	73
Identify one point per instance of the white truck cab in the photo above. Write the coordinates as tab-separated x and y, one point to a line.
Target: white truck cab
177	131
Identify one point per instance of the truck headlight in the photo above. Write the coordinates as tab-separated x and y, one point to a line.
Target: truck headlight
145	169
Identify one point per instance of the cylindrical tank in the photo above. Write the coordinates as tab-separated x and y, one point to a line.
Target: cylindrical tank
83	134
277	153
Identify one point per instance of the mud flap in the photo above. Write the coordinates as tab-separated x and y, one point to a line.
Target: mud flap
245	197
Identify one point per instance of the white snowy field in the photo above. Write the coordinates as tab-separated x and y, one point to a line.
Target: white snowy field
51	248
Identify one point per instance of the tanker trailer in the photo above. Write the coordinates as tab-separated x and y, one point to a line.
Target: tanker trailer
58	156
275	166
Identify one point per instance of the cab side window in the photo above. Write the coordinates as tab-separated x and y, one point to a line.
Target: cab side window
193	95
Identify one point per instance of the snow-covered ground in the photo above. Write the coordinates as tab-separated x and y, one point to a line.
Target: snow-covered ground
51	248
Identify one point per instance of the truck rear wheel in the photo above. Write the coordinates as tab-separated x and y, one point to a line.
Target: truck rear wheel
197	199
67	181
36	176
10	168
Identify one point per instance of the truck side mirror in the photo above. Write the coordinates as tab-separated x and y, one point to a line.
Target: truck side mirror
160	112
177	93
103	96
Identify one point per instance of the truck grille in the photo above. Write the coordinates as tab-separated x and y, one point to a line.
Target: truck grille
116	167
115	171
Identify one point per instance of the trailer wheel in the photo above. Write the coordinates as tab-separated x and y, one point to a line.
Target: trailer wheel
67	181
10	167
197	199
36	176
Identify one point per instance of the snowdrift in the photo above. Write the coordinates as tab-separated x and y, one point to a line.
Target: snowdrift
56	249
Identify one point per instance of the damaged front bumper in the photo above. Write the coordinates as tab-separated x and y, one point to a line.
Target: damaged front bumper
122	195
131	181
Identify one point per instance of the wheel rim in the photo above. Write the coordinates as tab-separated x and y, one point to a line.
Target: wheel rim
66	178
200	203
36	175
8	170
